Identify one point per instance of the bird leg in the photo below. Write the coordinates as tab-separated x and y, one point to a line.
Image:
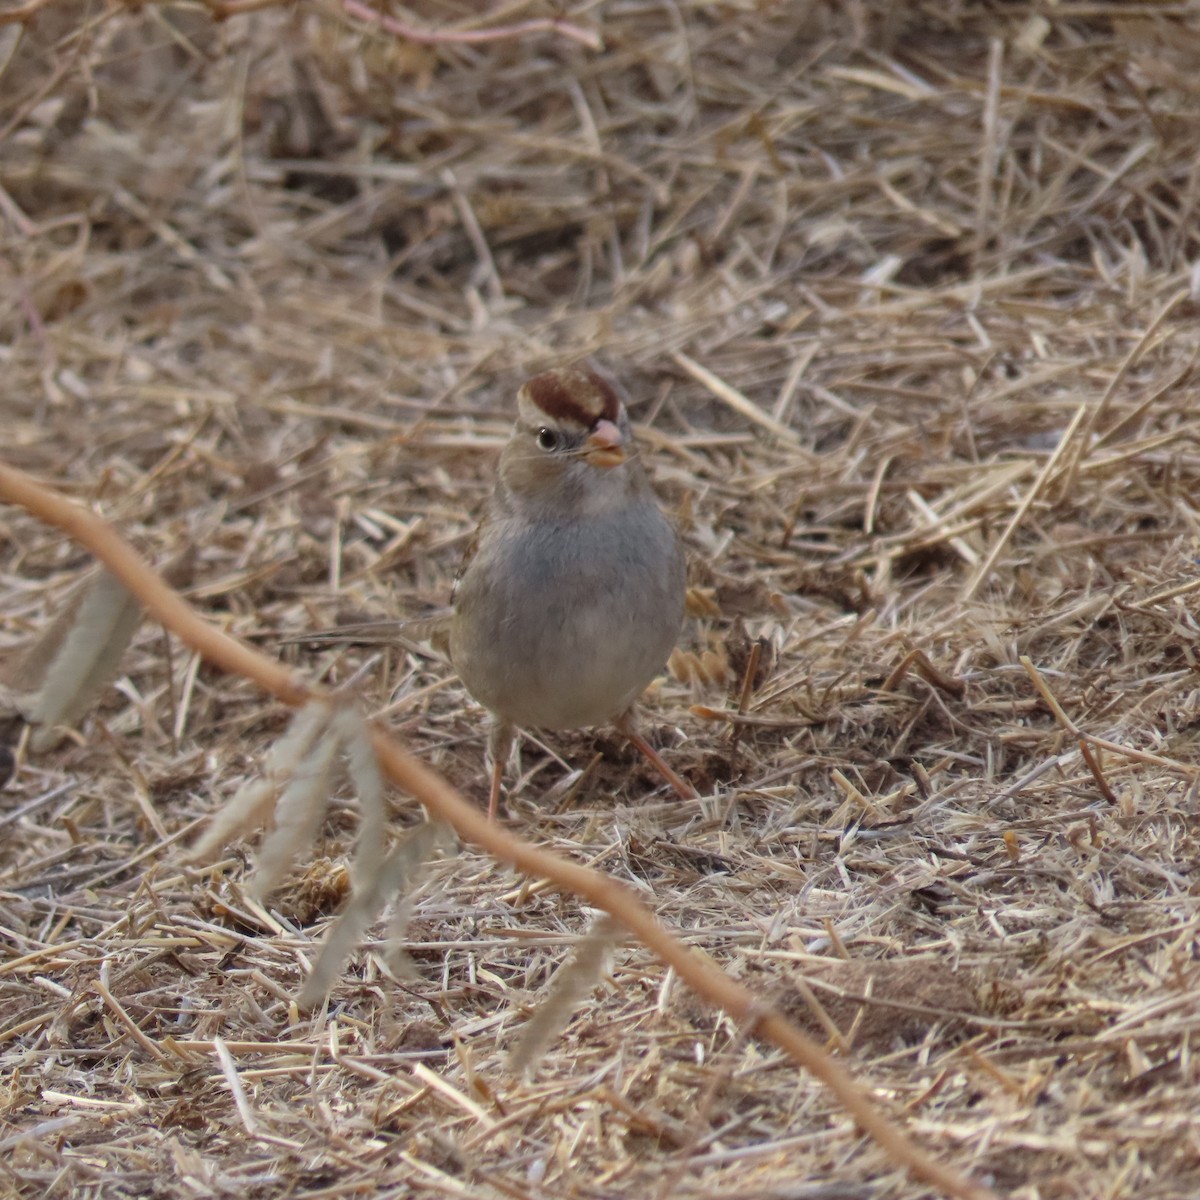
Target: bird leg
684	790
499	747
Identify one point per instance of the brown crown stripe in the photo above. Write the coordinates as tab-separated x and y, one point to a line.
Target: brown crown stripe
574	395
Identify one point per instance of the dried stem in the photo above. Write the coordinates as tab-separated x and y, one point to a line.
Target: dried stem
1089	744
444	802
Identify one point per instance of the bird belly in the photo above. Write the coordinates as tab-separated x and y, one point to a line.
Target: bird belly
588	644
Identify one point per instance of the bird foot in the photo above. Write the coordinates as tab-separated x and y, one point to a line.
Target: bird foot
683	789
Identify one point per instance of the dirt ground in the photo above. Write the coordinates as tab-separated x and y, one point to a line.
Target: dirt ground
905	297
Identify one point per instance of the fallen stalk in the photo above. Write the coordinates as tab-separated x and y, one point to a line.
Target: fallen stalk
444	802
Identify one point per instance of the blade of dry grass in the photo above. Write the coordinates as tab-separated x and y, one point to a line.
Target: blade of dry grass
60	674
566	990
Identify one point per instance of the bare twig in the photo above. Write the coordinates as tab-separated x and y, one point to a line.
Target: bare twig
441	800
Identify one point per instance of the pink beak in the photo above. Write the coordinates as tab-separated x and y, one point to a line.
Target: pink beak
605	445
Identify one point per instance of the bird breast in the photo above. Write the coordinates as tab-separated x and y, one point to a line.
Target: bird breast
579	616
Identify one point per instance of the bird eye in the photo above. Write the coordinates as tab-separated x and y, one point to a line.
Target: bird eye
547	439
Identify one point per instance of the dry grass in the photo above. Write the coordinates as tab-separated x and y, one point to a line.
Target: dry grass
268	285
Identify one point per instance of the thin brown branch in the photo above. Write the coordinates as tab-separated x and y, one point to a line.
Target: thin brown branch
444	802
